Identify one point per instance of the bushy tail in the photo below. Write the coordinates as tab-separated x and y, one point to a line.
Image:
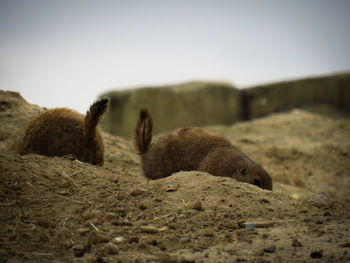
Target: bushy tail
143	132
93	116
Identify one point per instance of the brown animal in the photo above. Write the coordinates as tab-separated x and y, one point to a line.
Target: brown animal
194	148
61	131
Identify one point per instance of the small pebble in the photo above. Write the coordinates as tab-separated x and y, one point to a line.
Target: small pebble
111	249
80	250
197	206
264	200
270	249
321	199
118	240
316	254
346	244
170	189
250	226
137	191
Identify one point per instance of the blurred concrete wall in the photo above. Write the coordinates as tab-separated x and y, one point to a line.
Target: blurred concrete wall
201	103
196	104
263	100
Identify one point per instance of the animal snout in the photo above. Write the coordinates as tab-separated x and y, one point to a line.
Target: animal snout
257	182
264	182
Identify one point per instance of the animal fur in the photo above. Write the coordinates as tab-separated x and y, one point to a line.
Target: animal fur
61	131
194	148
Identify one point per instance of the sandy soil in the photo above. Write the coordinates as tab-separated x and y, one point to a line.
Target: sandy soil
62	210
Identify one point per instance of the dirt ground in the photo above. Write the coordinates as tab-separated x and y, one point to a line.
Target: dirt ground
62	210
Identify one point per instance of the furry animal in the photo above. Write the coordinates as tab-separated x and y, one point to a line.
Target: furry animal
194	148
61	131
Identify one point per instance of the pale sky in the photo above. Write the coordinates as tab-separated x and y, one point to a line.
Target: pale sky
67	52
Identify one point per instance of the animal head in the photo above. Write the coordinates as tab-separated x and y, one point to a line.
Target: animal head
229	162
254	174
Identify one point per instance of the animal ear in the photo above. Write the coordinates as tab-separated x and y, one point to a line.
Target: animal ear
244	171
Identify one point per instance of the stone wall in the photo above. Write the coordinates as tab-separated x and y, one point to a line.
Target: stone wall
201	103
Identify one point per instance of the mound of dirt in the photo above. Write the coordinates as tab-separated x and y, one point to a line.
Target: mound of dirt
14	114
63	210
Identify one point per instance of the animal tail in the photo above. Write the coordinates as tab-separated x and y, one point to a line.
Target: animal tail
93	116
143	132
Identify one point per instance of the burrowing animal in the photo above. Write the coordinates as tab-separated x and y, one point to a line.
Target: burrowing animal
61	131
194	149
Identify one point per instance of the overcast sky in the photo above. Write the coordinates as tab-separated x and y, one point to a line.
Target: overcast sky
67	52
